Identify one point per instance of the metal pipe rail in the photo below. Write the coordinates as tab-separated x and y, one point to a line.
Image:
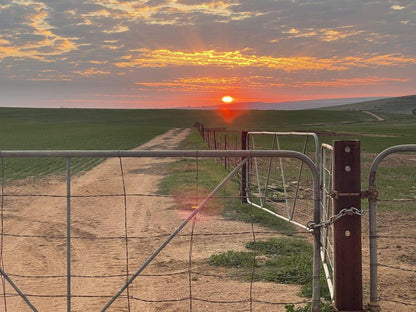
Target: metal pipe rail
292	133
327	252
68	154
372	200
157	153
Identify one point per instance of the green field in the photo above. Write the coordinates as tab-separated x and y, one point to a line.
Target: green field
38	129
124	129
397	105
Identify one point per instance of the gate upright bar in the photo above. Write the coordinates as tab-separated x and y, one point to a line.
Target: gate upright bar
68	234
244	169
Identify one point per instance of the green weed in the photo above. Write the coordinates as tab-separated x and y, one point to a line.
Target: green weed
279	260
234	259
324	307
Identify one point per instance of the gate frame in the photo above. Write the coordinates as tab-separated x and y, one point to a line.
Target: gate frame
68	154
374	306
245	140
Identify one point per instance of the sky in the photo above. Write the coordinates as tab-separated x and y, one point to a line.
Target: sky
178	53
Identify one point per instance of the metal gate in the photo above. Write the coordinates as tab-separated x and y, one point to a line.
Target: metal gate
244	155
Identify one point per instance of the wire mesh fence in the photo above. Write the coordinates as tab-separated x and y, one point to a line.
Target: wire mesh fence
70	241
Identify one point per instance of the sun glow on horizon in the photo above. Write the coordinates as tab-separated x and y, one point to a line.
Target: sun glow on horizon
227	99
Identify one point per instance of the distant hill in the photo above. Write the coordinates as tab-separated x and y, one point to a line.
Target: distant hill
296	105
399	105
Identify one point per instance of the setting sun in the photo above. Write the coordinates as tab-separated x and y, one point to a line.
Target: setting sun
227	99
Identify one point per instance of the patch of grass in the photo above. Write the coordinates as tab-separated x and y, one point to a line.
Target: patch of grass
278	260
281	246
193	142
395	183
234	259
249	214
324	307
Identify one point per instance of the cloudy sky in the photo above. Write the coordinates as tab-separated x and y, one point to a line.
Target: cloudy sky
170	53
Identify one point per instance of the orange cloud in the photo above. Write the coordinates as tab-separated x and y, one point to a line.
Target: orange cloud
165	58
212	84
92	72
38	21
324	34
193	84
397	7
134	10
231	59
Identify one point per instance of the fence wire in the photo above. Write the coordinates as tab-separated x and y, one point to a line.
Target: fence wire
396	255
112	229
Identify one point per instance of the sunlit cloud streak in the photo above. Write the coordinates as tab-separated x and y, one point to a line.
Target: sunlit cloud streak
165	58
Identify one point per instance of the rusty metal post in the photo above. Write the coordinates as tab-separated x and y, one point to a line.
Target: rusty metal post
215	140
347	229
206	133
202	132
209	138
244	169
225	148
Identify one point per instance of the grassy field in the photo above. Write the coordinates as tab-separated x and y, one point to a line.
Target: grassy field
398	105
124	129
37	129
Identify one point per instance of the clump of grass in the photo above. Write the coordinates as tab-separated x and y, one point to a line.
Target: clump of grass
324	307
281	246
249	214
234	259
279	260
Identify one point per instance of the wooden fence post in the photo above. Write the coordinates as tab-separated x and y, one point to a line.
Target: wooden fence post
347	229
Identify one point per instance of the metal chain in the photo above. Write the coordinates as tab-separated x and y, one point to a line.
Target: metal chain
344	212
